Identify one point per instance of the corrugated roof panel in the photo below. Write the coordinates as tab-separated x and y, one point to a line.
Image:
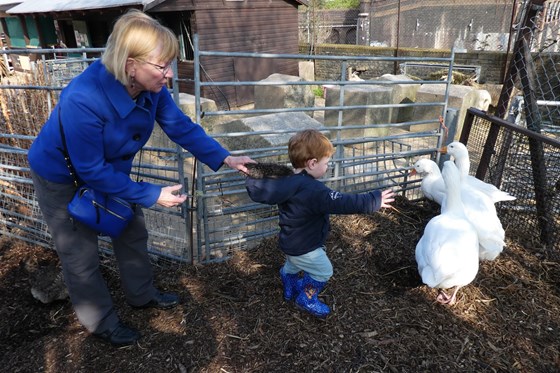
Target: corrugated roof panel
10	2
42	6
7	4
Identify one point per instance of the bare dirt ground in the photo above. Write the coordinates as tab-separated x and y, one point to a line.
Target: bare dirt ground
233	317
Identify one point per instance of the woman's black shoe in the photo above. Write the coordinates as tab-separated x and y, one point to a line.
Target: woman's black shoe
163	301
120	335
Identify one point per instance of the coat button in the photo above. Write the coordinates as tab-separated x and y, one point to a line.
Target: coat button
136	137
126	157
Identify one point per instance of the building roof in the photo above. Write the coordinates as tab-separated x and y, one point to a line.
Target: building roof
52	6
42	6
7	4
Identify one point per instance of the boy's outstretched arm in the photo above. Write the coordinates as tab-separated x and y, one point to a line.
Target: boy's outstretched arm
387	197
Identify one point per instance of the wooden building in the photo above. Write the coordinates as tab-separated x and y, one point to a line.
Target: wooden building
255	26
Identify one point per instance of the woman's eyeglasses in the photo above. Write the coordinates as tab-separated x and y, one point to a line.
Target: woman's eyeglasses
161	69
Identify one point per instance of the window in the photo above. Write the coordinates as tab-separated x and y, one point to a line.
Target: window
180	24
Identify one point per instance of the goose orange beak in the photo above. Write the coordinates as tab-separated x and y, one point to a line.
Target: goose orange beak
443	150
412	172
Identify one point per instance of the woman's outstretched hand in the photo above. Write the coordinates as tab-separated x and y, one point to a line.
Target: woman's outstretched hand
238	163
170	196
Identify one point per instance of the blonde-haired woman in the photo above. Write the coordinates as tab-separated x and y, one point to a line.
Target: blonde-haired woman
108	113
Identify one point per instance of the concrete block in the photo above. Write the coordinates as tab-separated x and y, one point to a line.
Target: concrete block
460	97
307	70
208	122
284	96
403	93
367	94
271	122
186	103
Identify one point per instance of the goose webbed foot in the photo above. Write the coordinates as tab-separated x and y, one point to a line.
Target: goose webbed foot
443	298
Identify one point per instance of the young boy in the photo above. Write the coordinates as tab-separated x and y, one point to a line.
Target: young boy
304	205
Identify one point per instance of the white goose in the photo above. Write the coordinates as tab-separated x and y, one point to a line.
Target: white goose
432	185
447	253
481	212
478	207
460	154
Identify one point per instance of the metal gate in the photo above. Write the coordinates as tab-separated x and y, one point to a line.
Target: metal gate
219	218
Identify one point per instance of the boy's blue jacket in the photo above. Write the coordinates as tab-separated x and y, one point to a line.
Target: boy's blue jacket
304	205
104	130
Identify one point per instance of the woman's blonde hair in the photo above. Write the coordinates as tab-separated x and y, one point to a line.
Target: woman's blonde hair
306	145
136	35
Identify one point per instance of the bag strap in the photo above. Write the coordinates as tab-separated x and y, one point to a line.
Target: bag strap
69	161
65	152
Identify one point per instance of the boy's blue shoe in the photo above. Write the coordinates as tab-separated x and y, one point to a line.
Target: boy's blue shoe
308	300
291	283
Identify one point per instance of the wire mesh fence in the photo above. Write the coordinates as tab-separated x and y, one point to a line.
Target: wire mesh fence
26	100
533	78
525	164
516	147
328	26
465	25
22	115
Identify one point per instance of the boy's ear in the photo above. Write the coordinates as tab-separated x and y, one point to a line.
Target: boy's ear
310	163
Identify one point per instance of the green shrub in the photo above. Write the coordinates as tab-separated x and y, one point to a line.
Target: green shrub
318	91
341	4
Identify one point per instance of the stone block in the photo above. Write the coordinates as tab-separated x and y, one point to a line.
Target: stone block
364	94
285	95
187	106
403	93
307	70
460	97
187	101
295	121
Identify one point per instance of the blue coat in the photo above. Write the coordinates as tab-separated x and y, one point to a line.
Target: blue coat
105	128
304	205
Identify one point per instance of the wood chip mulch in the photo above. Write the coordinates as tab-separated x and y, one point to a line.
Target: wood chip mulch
233	317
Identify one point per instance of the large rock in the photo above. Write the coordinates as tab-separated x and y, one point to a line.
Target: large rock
364	94
403	93
284	96
187	105
291	122
460	97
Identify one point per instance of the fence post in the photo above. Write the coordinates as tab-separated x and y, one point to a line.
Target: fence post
452	121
